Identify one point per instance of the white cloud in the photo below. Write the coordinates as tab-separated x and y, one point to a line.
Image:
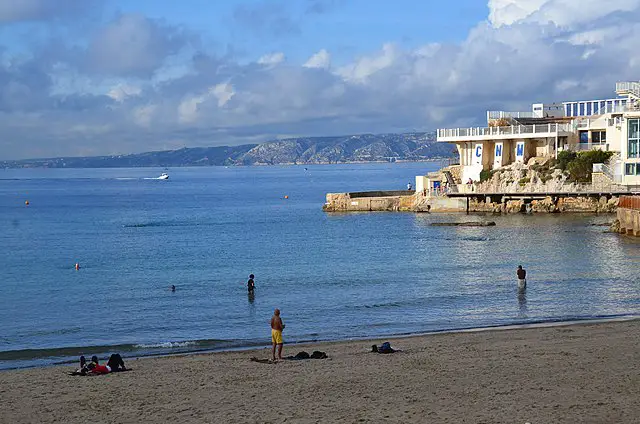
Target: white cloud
525	52
143	115
563	13
121	91
364	67
223	92
271	59
507	12
321	59
132	45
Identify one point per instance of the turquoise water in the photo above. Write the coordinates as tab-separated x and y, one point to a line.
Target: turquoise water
334	276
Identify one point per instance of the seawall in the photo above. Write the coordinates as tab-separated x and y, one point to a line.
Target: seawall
409	201
392	201
629	215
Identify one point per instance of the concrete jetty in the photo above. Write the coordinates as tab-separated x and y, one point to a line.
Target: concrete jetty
629	215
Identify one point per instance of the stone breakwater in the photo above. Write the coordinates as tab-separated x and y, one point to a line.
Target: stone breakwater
628	214
548	204
406	201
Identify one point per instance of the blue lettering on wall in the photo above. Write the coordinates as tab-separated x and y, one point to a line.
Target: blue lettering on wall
520	149
478	151
498	149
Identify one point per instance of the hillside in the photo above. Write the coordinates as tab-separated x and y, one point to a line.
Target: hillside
304	150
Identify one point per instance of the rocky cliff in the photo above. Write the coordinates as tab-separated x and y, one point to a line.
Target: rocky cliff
303	150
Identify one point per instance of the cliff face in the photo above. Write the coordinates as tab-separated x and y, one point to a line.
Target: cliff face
304	150
355	148
530	178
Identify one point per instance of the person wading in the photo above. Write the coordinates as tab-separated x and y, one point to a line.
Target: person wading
522	277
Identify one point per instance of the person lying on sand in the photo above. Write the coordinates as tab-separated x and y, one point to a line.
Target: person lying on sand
383	348
114	364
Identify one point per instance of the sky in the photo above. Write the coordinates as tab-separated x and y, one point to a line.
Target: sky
102	77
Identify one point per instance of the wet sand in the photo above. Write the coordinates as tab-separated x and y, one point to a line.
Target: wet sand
587	373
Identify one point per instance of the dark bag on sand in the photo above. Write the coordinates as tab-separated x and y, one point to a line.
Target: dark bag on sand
318	355
384	348
301	355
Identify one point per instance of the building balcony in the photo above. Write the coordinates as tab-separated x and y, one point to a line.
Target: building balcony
585	147
452	135
499	114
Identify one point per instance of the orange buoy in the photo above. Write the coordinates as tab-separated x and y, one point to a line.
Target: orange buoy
77	266
286	197
26	202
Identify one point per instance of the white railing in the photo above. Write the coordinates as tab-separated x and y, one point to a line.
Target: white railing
608	171
510	130
500	114
630	87
610	108
585	147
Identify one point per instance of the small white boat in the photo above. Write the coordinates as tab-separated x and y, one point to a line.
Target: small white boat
163	176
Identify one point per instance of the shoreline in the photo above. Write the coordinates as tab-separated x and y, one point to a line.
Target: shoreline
582	372
102	349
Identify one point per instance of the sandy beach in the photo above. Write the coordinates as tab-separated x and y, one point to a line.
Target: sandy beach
587	373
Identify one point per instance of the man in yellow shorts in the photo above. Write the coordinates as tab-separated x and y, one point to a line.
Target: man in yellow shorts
276	333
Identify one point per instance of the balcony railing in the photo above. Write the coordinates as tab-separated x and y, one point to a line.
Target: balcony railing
585	147
510	130
631	87
500	114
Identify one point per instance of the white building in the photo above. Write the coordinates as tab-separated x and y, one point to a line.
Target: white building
606	124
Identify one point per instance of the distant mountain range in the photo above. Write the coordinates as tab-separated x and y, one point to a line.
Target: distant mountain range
303	150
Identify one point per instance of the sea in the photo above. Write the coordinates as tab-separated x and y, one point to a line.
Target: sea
334	276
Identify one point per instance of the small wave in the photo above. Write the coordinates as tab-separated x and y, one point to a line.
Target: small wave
166	345
155	224
384	305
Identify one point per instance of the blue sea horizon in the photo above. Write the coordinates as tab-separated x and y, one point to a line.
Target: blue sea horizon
334	276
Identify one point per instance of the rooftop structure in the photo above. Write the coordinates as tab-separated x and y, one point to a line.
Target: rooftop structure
509	137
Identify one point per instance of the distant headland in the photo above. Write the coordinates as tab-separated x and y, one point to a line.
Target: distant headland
414	146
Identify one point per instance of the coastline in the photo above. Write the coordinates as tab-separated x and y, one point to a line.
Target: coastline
187	347
555	372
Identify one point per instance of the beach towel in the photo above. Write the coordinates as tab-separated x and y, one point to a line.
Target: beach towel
85	372
304	355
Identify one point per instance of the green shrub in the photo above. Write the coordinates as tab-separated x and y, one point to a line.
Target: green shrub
485	175
524	181
581	167
564	157
595	156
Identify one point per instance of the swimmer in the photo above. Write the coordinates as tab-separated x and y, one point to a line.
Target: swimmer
251	285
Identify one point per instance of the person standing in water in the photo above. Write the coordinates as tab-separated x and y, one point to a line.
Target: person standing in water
276	334
251	284
522	277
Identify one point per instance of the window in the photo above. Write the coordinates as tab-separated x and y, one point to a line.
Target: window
599	137
581	112
630	169
589	108
584	136
633	138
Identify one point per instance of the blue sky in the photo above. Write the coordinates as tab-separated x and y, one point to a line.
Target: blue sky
89	77
346	27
